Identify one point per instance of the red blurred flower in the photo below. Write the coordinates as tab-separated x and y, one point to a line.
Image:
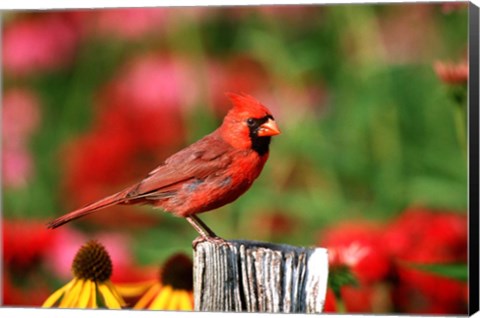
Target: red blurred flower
139	122
358	246
302	15
422	292
239	74
452	73
38	42
371	298
449	7
422	236
25	247
101	162
330	302
428	236
25	243
383	261
150	94
129	23
244	73
30	296
273	225
107	159
358	299
99	158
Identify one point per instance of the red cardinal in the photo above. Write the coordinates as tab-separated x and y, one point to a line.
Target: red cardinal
206	175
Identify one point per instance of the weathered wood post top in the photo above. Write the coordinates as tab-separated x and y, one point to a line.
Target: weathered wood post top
259	277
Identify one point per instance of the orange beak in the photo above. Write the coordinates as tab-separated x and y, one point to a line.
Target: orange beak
269	128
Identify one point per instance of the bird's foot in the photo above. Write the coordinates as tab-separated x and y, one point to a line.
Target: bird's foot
212	239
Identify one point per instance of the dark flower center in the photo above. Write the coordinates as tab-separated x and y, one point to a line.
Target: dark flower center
92	262
178	272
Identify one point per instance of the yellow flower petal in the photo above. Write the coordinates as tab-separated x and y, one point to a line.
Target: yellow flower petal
92	302
53	298
148	296
84	296
72	294
110	300
134	289
115	293
186	301
163	298
175	300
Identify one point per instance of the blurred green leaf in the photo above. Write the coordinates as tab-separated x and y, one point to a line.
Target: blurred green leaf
340	276
455	271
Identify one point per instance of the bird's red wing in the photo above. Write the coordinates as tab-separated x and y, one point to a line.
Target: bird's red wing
207	156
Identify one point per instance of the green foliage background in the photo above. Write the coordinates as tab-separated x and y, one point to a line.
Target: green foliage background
383	140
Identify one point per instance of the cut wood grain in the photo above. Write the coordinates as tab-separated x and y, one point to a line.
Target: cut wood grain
259	277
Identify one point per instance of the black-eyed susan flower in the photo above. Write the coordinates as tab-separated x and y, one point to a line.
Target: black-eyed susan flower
92	268
172	291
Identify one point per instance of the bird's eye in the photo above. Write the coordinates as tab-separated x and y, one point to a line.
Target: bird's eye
250	122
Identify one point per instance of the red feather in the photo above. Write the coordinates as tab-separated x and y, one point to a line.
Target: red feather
208	174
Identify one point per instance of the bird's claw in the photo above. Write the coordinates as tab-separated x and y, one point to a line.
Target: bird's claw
212	239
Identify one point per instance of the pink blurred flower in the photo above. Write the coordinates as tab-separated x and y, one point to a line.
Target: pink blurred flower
290	13
350	255
17	166
244	73
33	253
130	23
408	33
449	7
63	250
154	82
20	117
296	103
300	14
197	14
125	269
151	93
139	122
38	42
452	73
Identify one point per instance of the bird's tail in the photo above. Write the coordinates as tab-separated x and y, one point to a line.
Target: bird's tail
100	204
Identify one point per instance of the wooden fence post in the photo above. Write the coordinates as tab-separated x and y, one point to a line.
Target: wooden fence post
259	277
